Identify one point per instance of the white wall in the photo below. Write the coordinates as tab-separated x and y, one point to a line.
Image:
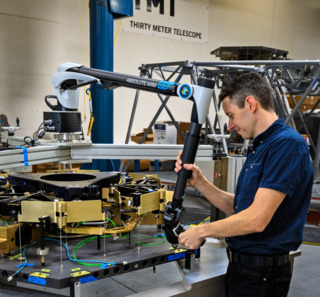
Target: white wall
38	35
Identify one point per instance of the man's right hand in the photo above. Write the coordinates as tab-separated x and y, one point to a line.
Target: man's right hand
196	176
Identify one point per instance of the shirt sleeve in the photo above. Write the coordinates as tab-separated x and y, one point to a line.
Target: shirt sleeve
285	166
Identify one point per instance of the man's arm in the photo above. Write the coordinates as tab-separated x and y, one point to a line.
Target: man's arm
220	199
254	219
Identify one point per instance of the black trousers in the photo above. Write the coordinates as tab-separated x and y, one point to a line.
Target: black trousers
244	280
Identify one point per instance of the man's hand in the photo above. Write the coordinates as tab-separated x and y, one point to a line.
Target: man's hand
196	176
191	238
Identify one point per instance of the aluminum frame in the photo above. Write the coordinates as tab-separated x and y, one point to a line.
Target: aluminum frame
286	77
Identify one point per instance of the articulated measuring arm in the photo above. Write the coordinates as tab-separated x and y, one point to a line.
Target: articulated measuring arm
72	76
174	211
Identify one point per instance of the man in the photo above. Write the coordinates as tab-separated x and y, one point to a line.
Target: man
268	210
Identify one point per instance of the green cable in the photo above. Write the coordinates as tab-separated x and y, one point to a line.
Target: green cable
79	245
106	219
85	241
111	222
82	243
149	244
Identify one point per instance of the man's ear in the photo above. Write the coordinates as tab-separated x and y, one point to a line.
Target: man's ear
251	103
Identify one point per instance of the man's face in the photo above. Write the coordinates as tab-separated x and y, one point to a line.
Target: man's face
240	119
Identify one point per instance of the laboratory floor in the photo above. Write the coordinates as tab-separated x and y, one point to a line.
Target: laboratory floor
305	281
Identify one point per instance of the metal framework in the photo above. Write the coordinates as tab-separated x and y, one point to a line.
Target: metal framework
287	78
68	153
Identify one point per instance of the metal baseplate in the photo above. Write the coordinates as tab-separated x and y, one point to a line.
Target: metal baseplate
90	225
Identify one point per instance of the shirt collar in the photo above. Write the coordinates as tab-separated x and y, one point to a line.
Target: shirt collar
265	134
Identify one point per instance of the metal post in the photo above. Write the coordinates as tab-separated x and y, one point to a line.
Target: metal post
224	143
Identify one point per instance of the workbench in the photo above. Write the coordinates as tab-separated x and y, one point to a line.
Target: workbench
164	275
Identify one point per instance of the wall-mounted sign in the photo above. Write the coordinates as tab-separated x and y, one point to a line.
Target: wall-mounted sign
179	19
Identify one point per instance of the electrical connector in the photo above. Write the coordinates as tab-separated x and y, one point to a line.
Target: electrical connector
47	122
10	278
49	128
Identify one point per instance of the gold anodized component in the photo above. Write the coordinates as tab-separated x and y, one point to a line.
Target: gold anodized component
61	212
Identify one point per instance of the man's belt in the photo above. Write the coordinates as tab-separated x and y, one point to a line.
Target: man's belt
257	260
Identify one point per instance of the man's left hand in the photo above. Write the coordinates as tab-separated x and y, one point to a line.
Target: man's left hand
191	238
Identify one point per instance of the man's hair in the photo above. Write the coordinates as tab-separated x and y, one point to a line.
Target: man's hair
248	84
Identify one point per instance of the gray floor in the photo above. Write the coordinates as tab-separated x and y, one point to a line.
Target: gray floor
305	281
306	273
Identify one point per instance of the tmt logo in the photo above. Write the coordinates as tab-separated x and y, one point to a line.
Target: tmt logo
156	3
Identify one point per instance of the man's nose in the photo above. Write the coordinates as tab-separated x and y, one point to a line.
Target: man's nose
230	125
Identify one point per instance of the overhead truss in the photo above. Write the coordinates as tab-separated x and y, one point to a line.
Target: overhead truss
288	79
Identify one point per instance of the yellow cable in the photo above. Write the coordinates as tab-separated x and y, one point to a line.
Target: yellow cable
114	42
90	125
311	243
91	114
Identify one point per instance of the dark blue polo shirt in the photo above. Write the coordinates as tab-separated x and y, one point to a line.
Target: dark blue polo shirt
279	160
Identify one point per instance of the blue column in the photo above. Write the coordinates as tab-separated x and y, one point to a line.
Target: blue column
102	14
101	57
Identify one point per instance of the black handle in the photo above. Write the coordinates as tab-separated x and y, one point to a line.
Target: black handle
174	211
188	156
53	107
